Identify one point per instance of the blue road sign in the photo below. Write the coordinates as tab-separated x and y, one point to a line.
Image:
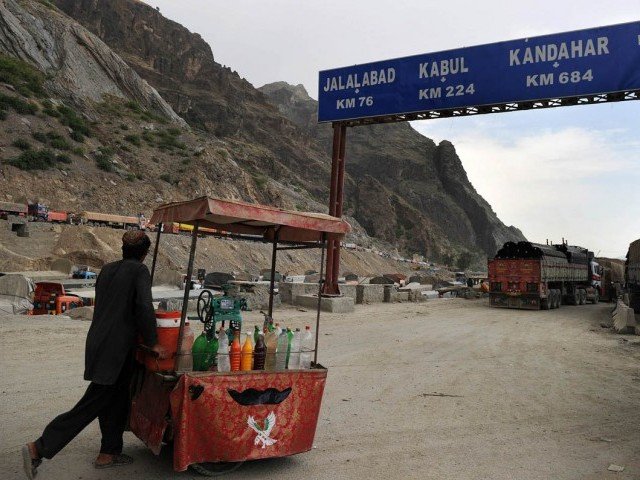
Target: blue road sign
584	62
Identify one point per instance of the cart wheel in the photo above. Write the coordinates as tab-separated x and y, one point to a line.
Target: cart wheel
215	469
204	304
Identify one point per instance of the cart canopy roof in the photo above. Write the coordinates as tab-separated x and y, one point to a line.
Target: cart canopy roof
251	219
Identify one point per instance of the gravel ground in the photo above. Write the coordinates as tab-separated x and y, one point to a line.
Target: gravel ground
449	389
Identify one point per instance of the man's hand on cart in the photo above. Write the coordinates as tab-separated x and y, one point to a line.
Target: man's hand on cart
161	351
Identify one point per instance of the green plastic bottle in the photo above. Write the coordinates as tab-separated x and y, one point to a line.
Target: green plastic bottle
198	351
211	352
289	339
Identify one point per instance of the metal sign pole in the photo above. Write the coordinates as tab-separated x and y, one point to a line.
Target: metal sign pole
155	252
276	234
320	282
335	206
187	287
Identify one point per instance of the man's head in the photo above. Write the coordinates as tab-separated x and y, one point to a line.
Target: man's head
135	244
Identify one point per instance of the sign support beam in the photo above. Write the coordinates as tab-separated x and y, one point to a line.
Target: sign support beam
336	197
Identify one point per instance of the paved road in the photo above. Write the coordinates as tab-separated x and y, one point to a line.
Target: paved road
448	389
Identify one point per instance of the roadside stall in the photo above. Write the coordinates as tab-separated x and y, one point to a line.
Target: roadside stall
232	416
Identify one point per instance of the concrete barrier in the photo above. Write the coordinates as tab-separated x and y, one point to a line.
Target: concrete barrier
369	294
327	304
289	291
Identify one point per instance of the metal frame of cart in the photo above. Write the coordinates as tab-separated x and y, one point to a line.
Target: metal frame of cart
236	416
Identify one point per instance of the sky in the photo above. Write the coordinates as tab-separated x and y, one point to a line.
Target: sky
570	172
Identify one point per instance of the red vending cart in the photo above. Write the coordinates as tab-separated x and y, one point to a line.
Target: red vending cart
220	417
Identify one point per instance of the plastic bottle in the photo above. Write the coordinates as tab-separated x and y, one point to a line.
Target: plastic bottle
185	358
278	329
224	364
198	351
289	340
296	344
256	333
271	343
246	361
235	352
306	351
211	351
281	354
259	353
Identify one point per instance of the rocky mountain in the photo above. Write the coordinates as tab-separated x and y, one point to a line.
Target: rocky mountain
423	186
165	121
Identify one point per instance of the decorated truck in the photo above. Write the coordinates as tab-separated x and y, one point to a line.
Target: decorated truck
534	276
632	275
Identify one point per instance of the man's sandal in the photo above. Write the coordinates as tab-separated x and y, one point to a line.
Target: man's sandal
29	464
116	461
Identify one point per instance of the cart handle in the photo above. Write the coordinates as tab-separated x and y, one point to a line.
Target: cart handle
148	350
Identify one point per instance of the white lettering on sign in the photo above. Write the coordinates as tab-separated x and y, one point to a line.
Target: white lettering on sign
559	51
450	66
543	79
355	80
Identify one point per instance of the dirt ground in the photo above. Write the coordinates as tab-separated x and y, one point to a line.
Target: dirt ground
448	389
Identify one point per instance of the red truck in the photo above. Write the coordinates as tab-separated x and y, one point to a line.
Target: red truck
50	298
632	275
534	276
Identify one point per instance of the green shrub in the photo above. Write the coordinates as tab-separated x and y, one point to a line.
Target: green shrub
78	151
57	141
260	180
3	114
47	4
168	140
60	144
19	105
76	136
26	79
134	107
22	144
130	177
147	135
71	119
124	126
40	136
166	177
50	109
63	158
134	139
37	160
103	159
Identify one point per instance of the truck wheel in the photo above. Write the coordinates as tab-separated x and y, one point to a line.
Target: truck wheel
596	297
575	298
555	299
545	303
583	296
215	469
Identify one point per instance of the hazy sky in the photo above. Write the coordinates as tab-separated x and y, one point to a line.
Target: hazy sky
570	172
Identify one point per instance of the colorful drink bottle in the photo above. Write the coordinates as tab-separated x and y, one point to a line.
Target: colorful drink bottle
246	362
235	352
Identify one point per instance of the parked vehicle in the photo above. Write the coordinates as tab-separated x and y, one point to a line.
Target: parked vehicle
9	208
632	275
84	273
110	220
39	212
534	276
51	299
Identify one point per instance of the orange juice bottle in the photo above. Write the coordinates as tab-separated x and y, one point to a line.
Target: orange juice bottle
246	362
235	351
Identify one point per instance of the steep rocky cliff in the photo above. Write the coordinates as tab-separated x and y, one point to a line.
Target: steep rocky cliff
133	73
423	186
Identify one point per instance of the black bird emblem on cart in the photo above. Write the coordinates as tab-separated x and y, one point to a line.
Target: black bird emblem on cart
251	396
